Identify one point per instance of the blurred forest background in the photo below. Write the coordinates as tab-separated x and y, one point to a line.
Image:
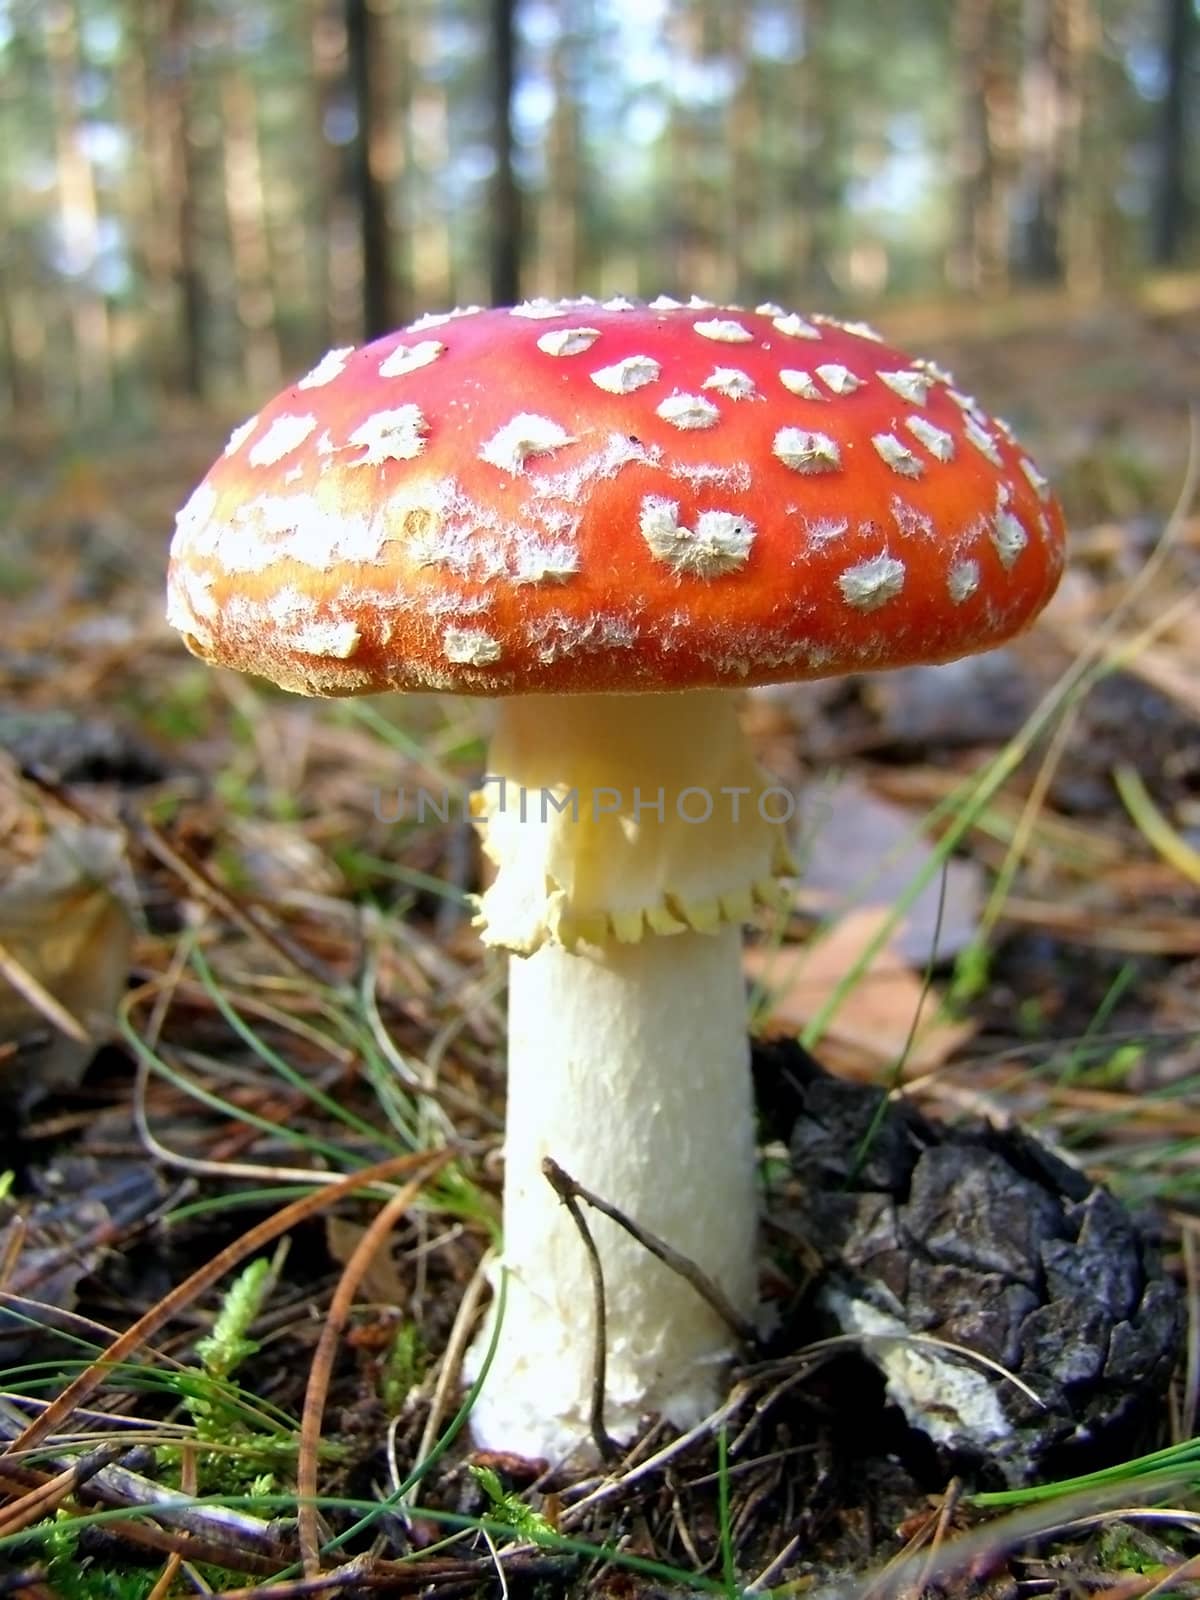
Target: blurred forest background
197	195
198	198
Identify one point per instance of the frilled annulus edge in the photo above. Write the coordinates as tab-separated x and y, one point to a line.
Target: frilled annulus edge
611	818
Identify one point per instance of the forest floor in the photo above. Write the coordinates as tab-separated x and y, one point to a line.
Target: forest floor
300	996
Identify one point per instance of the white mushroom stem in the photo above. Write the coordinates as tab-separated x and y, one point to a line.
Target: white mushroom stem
628	1054
630	1067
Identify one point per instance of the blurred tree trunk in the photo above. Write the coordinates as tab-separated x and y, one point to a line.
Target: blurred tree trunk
693	165
1042	85
823	143
788	139
681	208
428	154
561	234
337	265
141	201
505	263
368	42
395	144
79	241
987	142
245	205
785	180
174	159
19	390
1056	33
1171	202
25	319
22	323
1085	198
745	200
14	378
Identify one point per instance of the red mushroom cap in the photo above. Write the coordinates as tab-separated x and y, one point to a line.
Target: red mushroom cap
571	496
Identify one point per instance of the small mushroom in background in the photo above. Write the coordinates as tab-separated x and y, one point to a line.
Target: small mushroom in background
613	517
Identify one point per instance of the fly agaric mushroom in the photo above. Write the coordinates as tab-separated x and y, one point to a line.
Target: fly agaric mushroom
611	517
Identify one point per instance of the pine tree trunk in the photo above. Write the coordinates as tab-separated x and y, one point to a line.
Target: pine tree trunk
987	143
173	156
427	133
1171	208
18	392
79	216
745	201
245	205
560	243
693	179
366	47
826	139
22	326
505	274
1057	35
140	202
1087	193
1041	87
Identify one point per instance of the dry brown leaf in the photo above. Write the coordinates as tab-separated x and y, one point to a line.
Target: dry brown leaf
873	1022
65	947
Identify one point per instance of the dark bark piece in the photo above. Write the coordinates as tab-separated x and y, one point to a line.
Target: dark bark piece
1154	1331
989	1310
81	1210
844	1135
1097	1264
984	1237
969	1206
1063	1343
68	748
